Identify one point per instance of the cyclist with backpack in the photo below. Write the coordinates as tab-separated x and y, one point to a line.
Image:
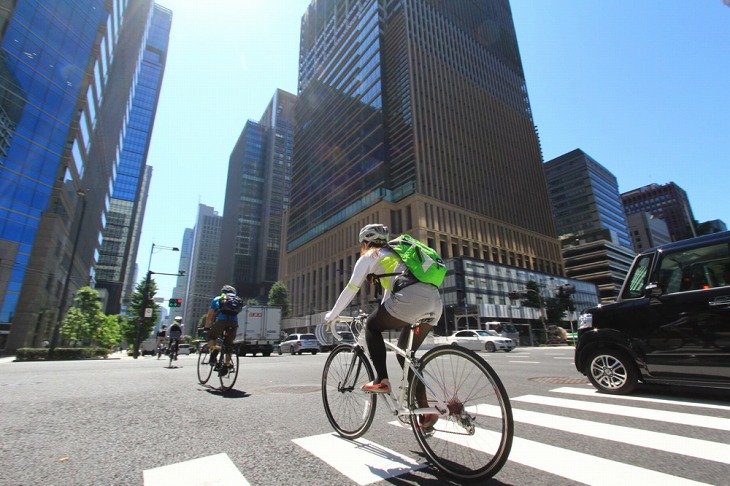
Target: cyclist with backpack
406	299
174	334
222	315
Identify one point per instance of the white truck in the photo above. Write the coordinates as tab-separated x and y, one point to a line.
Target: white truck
148	347
258	328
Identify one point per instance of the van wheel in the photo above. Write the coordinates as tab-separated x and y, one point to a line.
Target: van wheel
612	371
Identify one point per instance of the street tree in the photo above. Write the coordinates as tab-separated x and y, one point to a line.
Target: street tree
142	298
85	323
279	295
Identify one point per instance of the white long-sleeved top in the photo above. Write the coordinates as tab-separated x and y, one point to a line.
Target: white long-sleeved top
378	261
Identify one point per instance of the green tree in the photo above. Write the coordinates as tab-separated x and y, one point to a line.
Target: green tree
141	299
85	322
279	295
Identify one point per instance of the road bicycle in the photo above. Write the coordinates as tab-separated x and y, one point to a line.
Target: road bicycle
472	438
226	356
172	351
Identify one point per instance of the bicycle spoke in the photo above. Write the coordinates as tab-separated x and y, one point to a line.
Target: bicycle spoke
473	434
228	378
349	410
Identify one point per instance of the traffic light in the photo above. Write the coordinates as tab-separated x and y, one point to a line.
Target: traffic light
566	290
175	303
514	295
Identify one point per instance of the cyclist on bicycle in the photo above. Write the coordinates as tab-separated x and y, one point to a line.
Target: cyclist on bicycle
223	321
405	300
174	334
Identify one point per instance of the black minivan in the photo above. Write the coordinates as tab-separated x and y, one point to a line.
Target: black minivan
669	324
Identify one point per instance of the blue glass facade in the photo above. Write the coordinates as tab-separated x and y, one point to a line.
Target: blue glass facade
585	197
120	236
45	52
340	144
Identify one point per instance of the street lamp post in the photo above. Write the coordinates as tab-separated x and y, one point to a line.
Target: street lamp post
62	304
146	304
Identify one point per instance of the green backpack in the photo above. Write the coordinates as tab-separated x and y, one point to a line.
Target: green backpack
423	262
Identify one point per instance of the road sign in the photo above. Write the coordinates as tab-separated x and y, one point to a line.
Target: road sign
148	312
159	300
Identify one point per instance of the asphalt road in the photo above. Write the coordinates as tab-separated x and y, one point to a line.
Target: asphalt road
122	421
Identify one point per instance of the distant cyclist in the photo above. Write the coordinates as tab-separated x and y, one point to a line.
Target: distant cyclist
224	319
405	300
174	334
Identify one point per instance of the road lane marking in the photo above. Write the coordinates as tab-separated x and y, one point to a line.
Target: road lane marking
217	470
622	410
573	465
526	362
702	449
361	460
592	392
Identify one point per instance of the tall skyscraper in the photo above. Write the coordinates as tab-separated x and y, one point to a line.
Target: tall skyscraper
257	194
590	221
585	197
67	72
181	285
203	261
668	202
413	113
124	220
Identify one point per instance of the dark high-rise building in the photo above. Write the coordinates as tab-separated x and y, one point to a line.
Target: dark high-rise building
124	220
590	221
668	202
413	113
585	197
67	72
257	194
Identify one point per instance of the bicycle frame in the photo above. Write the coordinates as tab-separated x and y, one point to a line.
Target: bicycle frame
410	366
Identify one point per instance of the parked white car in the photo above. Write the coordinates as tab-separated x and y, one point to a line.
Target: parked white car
481	340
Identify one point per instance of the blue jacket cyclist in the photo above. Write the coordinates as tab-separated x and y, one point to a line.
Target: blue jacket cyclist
222	322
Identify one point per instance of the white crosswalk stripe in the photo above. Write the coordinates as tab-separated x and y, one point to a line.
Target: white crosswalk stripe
624	411
377	462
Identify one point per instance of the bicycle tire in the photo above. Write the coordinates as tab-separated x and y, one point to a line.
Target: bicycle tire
204	367
473	441
228	379
349	410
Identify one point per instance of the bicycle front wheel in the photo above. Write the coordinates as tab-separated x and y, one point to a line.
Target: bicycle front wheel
472	438
204	367
229	374
349	409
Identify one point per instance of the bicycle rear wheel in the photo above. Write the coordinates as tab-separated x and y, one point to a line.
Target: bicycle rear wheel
349	410
230	373
204	367
473	440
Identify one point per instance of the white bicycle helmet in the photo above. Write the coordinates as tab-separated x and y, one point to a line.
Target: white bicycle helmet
374	233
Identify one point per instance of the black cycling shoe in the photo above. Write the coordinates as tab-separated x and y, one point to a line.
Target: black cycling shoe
223	371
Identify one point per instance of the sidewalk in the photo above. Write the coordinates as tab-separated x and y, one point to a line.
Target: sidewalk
8	359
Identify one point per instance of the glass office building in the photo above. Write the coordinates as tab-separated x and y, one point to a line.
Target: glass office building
66	85
118	252
413	113
585	197
257	194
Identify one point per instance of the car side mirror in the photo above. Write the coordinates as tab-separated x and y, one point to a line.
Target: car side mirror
653	290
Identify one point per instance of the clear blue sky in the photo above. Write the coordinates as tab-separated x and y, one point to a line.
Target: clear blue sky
640	86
